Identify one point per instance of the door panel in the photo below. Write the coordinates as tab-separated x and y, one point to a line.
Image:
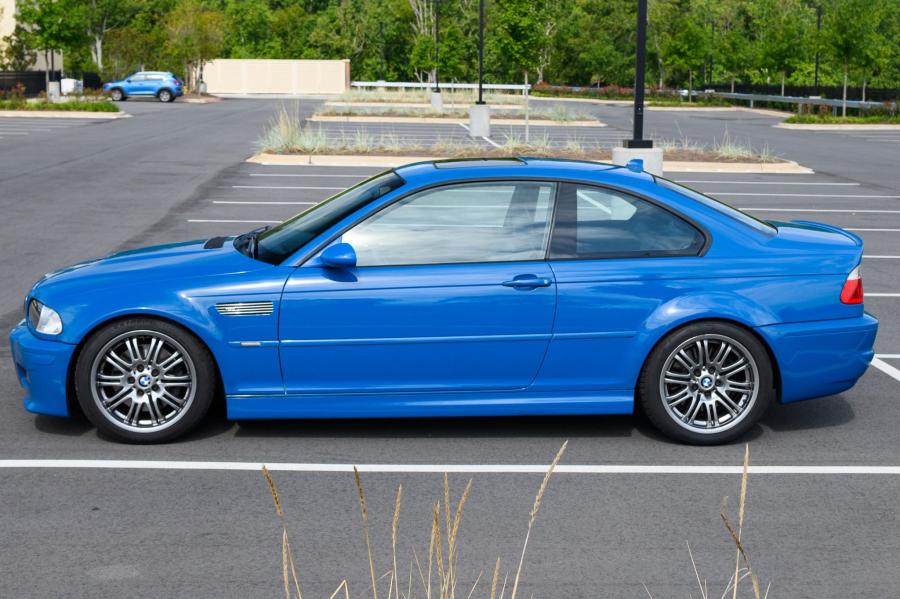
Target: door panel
415	328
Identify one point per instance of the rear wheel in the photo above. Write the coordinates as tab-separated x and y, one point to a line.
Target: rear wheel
117	95
165	96
144	380
707	383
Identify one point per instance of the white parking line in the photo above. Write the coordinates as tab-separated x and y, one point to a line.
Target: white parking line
305	175
265	203
755	209
886	368
888	356
220	220
882	257
770	183
867	294
799	195
873	230
283	187
443	468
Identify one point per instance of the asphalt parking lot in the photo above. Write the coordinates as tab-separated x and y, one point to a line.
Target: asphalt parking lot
827	525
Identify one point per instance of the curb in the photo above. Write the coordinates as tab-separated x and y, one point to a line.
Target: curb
415	105
834	127
673	166
448	121
63	114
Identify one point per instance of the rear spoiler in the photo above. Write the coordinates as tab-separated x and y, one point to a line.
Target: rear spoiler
833	228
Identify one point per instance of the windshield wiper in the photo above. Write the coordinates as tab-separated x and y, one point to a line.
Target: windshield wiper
250	240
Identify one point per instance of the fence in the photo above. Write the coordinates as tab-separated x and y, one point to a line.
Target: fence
835	104
425	85
34	82
874	94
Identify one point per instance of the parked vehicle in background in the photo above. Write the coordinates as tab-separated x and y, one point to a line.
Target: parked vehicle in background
159	84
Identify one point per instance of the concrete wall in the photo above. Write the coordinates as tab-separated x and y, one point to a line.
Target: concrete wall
7	17
248	76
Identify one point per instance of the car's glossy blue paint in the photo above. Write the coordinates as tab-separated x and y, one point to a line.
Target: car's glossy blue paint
147	83
453	339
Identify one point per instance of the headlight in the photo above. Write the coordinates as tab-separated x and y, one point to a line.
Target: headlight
44	319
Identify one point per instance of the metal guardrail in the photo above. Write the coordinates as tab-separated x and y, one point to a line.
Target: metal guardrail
425	85
752	98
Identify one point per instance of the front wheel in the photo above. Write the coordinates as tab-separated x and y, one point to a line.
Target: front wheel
707	383
117	95
165	96
144	381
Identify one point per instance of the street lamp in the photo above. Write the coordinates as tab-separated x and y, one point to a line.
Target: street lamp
480	112
637	140
437	102
649	159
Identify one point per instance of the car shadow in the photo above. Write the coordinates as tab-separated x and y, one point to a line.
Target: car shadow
821	413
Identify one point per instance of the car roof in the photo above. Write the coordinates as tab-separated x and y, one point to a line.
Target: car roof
514	167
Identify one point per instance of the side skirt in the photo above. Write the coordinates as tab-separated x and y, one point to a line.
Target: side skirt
424	405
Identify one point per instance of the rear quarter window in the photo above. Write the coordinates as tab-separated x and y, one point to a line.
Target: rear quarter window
718	206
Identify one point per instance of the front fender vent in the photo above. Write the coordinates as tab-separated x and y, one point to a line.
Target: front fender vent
244	308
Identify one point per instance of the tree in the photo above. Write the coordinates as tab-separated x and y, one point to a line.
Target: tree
195	36
51	25
517	34
784	30
732	44
249	29
849	27
103	16
687	49
16	55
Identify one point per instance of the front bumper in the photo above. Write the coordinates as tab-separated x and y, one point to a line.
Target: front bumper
821	358
42	367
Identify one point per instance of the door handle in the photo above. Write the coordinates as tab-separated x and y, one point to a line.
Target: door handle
527	282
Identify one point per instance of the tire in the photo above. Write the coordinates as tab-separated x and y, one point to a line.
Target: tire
117	95
711	396
165	95
148	394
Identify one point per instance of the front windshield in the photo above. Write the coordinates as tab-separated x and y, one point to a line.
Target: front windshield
279	242
752	221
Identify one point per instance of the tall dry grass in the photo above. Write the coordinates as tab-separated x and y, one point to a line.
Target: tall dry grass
439	579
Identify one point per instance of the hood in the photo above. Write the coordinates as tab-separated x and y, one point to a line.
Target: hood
149	265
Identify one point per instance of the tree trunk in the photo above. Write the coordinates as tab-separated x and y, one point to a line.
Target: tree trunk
690	85
844	100
782	83
660	67
732	84
46	72
864	87
98	52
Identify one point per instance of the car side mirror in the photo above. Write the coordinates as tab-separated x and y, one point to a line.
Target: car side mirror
128	81
339	255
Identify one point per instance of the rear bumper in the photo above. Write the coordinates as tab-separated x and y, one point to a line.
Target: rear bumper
42	367
821	358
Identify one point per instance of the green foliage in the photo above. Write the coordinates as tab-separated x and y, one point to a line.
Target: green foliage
72	105
562	42
15	54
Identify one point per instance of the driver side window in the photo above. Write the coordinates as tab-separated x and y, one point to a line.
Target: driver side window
504	221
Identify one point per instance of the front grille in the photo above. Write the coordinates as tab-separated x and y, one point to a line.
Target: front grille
244	308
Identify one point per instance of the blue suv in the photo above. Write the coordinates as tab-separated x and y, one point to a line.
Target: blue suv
161	85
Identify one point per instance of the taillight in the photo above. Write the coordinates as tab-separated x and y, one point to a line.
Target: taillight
852	293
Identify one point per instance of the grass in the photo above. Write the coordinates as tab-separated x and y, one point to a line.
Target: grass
286	135
556	113
827	119
423	96
441	574
69	105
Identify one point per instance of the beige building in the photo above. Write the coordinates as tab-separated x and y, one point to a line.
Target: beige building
265	76
8	24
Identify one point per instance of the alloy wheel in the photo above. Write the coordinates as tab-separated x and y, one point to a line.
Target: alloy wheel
143	381
709	383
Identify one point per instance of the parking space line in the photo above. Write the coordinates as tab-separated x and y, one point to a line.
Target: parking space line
225	220
755	209
443	468
283	187
799	195
886	368
873	230
771	183
324	176
881	257
888	356
250	203
867	294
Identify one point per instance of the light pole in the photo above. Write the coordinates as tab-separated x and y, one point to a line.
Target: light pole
637	139
437	102
480	112
650	159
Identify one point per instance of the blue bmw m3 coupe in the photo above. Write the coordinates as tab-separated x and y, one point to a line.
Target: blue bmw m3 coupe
460	288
